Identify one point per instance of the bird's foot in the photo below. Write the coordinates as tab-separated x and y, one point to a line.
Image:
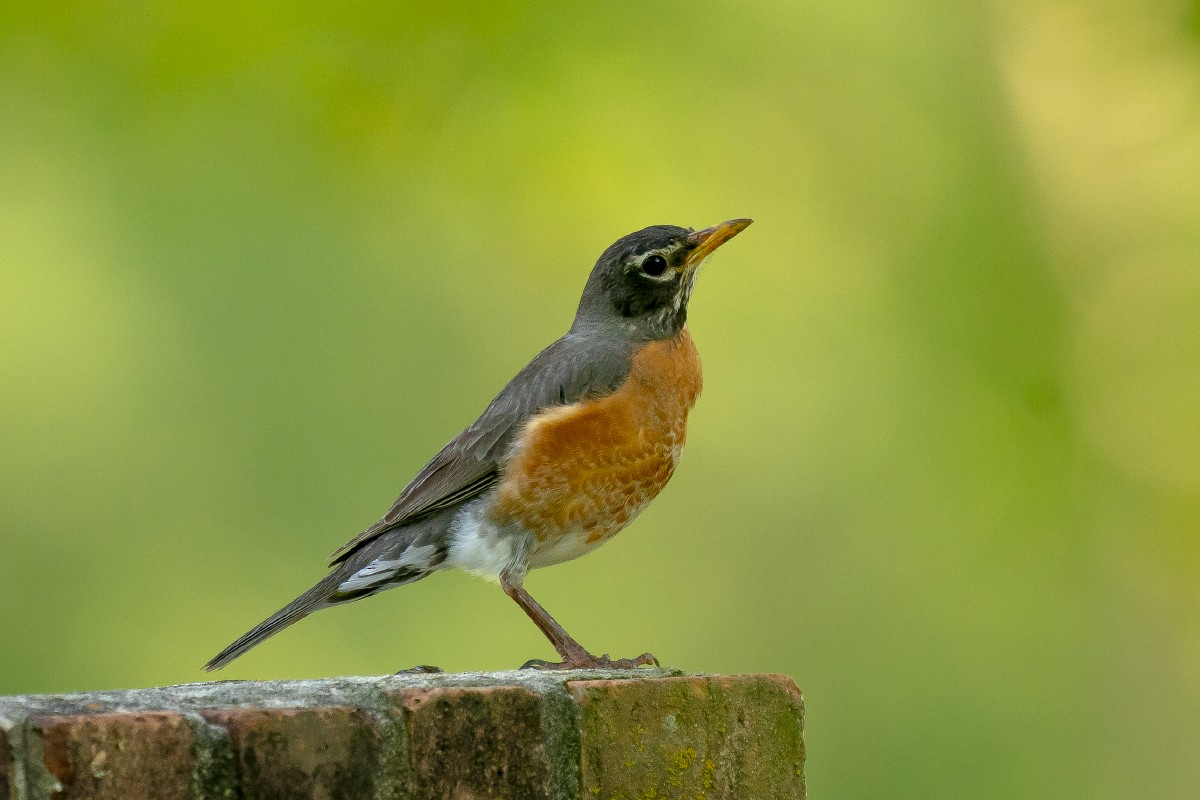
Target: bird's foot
589	661
421	669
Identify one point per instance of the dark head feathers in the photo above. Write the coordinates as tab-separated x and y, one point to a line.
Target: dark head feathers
640	285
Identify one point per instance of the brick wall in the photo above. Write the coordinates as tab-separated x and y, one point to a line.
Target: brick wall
519	735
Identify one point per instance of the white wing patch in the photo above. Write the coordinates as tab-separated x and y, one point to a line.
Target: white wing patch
381	570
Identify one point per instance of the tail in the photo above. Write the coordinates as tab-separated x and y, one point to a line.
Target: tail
312	600
401	557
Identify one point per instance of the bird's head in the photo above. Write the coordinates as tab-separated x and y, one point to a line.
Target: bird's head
641	284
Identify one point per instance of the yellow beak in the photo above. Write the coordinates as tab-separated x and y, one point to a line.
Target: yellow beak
706	241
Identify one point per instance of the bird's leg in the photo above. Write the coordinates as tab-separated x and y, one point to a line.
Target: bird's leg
572	653
564	645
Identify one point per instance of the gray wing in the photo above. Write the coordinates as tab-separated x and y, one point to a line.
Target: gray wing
572	369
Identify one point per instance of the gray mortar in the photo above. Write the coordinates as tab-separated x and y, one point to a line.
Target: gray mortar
352	691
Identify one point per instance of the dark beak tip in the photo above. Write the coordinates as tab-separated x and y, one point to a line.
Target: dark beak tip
724	230
704	242
710	239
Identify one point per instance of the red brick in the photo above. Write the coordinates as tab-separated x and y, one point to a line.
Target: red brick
720	738
476	743
329	753
123	756
5	767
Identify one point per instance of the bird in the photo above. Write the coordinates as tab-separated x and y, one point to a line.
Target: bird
569	452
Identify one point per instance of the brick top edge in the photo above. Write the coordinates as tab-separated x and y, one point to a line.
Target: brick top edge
350	690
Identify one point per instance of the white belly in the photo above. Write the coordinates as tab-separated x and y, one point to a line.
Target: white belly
478	545
483	548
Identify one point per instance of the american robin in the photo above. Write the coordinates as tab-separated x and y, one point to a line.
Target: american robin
566	456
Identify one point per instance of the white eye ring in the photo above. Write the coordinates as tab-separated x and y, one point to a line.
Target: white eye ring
655	266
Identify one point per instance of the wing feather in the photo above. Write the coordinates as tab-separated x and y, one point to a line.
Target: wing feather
572	369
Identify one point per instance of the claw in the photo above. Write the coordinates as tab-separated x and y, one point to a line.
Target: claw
646	660
421	669
587	661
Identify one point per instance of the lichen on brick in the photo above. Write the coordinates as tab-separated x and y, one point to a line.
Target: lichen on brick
476	742
693	737
330	752
599	735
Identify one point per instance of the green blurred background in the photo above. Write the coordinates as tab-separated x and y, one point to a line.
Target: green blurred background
257	263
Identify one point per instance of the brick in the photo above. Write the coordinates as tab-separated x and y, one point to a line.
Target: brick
122	756
476	743
332	753
649	735
5	767
715	738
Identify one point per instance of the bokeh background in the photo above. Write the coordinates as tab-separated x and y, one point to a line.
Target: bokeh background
259	261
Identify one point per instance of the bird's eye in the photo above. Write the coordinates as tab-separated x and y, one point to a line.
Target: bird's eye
654	266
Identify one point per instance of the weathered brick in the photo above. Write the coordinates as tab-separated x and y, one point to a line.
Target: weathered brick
123	756
331	753
648	735
716	738
476	743
5	767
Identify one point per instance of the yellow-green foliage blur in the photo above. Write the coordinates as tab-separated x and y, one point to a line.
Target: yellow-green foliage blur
259	261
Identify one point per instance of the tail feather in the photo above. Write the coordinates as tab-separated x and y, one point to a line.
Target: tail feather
400	557
298	609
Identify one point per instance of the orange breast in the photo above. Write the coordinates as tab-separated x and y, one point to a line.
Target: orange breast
584	471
